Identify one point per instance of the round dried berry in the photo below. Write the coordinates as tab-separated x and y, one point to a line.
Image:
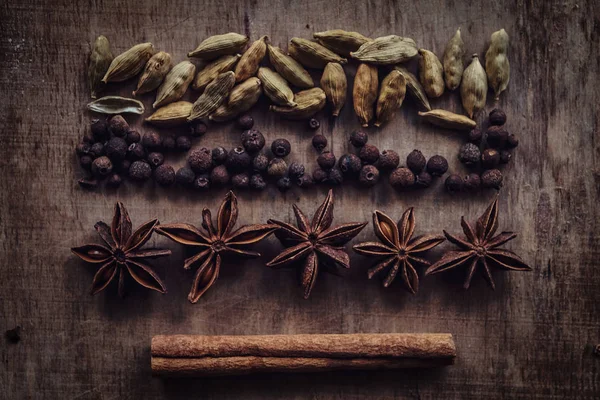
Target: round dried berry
284	184
492	178
219	176
475	136
164	175
319	142
359	138
437	165
296	170
469	154
350	165
114	181
101	167
415	161
169	143
369	176
86	161
368	154
326	160
472	183
118	126
334	177
140	171
183	143
281	147
423	179
240	181
277	168
505	156
314	123
260	163
496	136
185	176
219	155
245	122
319	175
122	166
83	149
136	151
257	182
490	158
202	182
305	181
133	137
155	159
238	160
200	160
97	150
197	129
402	178
152	141
497	117
253	141
512	141
454	183
89	138
388	160
116	149
99	129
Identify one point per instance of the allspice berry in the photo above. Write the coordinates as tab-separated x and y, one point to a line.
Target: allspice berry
97	150
116	149
296	170
238	160
475	136
277	168
201	182
492	178
305	181
219	176
240	181
326	160
388	160
101	167
86	161
415	161
497	117
118	126
155	159
257	182
469	154
260	162
136	151
454	183
122	166
198	129
185	176
83	149
334	177
437	165
164	175
219	155
496	136
114	181
140	171
284	184
281	147
319	175
99	128
512	141
490	158
402	178
152	141
245	122
505	157
253	141
169	143
200	160
183	143
319	142
133	137
359	138
369	176
472	182
314	123
423	179
350	164
368	154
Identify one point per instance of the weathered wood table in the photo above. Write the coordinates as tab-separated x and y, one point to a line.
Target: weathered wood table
531	338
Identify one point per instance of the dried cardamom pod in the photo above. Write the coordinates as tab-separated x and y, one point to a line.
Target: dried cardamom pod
276	88
496	62
340	41
250	61
386	50
208	74
308	103
473	91
414	87
431	73
116	105
364	92
391	96
129	64
453	61
175	84
219	45
214	95
156	69
173	114
242	98
448	120
312	54
289	68
335	86
100	60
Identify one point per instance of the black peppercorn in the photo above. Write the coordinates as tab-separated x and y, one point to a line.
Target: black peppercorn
169	143
437	165
260	163
88	183
350	165
402	178
334	177
240	181
423	179
469	154
497	117
101	167
415	161
133	137
83	148
183	143
118	126
305	181
369	176
245	122
284	184
512	141
281	148
296	170
472	182
197	129
277	168
140	171
122	166
219	155
152	141
253	141
326	160
200	160
368	154
155	159
97	150
492	178
475	136
99	129
319	175
496	136
219	176
185	176
505	156
454	183
202	182
314	123
319	142
86	161
116	149
238	160
359	138
490	158
388	160
257	182
136	151
114	181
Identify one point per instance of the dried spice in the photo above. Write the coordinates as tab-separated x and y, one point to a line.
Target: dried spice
122	255
497	117
242	98
397	249
415	161
214	95
100	60
335	86
453	61
437	165
350	165
276	88
164	175
414	88
116	105
454	183
277	168
340	41
326	160
174	114
289	68
215	242
391	96
154	73
246	121
473	91
481	248
175	84
364	93
448	120
314	123
219	45
497	66
308	103
128	64
316	245
431	73
312	54
281	147
118	126
359	138
253	140
368	176
210	72
386	50
319	142
388	160
402	178
368	154
250	61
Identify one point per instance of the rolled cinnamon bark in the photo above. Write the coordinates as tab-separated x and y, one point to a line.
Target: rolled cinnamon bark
189	355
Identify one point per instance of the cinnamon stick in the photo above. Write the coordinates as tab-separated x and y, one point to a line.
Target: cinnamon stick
189	355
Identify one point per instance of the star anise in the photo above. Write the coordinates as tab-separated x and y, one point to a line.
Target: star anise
315	243
123	255
215	243
480	247
398	250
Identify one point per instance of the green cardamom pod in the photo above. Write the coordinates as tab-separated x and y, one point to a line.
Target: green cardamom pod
335	86
453	61
250	61
173	114
391	96
100	60
129	64
208	74
364	92
431	73
386	50
340	41
414	87
496	62
474	87
289	68
154	73
219	45
308	103
312	54
448	120
276	88
175	84
116	105
214	95
242	98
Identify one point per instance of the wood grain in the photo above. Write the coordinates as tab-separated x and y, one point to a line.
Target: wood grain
531	338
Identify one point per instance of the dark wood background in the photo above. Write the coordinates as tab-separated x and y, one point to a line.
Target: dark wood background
531	338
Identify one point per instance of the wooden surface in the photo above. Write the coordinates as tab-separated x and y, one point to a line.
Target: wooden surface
531	338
